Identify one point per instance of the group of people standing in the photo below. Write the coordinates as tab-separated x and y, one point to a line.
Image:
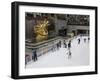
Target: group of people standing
68	44
57	46
65	44
79	39
54	47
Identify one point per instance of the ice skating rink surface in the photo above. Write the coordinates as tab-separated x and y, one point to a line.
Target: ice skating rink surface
60	58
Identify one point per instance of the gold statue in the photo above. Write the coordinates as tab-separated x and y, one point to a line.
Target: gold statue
41	30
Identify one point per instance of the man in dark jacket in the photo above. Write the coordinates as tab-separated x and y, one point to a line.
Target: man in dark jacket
34	55
78	40
69	44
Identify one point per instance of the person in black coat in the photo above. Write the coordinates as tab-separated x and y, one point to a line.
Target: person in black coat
34	55
64	43
84	39
78	40
88	38
57	46
60	44
69	44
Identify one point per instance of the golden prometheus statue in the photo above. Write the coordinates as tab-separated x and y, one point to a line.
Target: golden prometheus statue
41	30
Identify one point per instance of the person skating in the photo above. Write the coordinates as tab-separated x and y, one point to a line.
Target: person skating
53	48
79	40
65	45
84	39
69	44
60	44
69	54
34	55
57	46
88	38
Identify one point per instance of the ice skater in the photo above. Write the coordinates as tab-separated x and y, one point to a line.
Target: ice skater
69	54
60	44
84	39
53	48
34	55
69	45
57	46
79	40
65	45
88	38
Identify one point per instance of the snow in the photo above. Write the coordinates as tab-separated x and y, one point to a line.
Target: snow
79	56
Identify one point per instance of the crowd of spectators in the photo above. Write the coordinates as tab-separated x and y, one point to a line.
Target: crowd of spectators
78	20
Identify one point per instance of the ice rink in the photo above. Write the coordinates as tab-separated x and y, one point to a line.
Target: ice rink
60	58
